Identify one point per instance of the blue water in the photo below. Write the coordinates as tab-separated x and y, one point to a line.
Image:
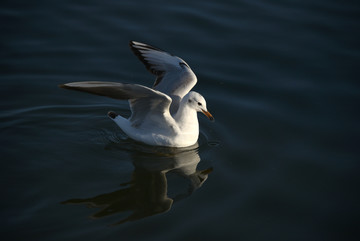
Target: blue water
280	162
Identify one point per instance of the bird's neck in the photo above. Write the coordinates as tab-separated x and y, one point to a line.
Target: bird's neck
186	118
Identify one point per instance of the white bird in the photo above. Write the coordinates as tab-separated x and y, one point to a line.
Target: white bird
165	115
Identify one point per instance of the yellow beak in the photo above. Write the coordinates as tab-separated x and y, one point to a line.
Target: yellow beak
208	115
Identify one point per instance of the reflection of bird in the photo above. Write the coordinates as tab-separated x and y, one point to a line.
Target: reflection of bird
146	193
145	196
165	115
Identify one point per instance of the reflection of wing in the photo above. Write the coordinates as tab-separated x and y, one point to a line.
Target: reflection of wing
146	196
143	100
174	76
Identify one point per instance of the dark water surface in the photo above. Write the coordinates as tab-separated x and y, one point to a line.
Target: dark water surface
280	162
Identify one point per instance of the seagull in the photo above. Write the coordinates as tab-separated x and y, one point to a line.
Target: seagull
164	115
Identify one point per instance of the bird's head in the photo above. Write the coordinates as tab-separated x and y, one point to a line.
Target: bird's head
197	101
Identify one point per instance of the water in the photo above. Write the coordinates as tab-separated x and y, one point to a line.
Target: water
279	163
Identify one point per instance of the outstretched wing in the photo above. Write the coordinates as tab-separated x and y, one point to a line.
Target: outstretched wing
143	100
174	77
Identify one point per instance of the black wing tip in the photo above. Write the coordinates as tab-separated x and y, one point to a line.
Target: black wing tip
112	114
135	48
132	44
139	55
136	44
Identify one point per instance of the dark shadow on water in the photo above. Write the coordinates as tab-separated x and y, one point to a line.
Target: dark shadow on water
146	194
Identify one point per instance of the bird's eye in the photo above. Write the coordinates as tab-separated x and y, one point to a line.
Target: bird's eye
189	101
182	64
199	104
